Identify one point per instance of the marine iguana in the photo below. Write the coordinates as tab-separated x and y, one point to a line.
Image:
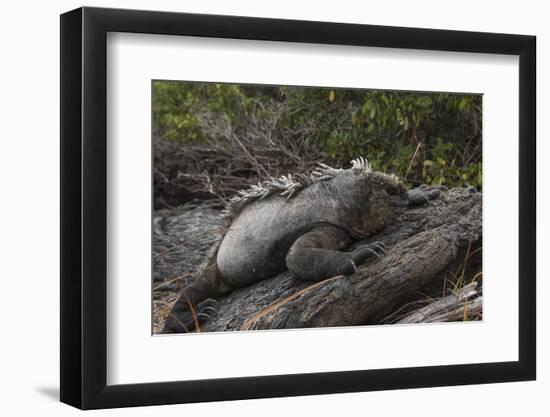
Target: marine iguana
300	223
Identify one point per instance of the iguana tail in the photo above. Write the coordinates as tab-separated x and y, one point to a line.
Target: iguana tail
195	304
192	308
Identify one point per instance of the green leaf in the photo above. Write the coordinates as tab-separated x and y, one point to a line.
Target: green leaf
424	101
370	108
464	104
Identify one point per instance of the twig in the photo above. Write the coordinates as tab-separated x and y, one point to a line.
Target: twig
412	160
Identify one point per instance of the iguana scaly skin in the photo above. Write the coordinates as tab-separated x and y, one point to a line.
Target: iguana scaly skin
300	223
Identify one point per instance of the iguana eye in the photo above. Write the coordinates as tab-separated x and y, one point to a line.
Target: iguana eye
393	190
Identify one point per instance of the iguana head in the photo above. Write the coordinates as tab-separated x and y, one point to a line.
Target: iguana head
370	200
385	201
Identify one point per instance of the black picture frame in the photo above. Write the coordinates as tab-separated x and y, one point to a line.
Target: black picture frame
84	207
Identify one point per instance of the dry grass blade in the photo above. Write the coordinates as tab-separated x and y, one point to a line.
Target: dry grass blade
193	312
442	307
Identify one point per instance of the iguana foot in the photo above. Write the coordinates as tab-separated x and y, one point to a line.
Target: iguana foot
184	320
364	252
207	309
425	193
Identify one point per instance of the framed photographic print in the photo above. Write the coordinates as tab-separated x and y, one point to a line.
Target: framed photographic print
256	208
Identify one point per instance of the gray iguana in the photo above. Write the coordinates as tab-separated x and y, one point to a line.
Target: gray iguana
300	223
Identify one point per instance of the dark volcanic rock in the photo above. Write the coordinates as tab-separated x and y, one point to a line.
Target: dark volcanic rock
422	245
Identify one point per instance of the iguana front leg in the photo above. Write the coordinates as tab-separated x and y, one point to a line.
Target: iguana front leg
317	254
424	193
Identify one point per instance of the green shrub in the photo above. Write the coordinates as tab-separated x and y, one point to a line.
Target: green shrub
432	138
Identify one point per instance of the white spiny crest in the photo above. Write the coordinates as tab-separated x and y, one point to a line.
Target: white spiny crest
291	185
361	163
325	171
288	185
